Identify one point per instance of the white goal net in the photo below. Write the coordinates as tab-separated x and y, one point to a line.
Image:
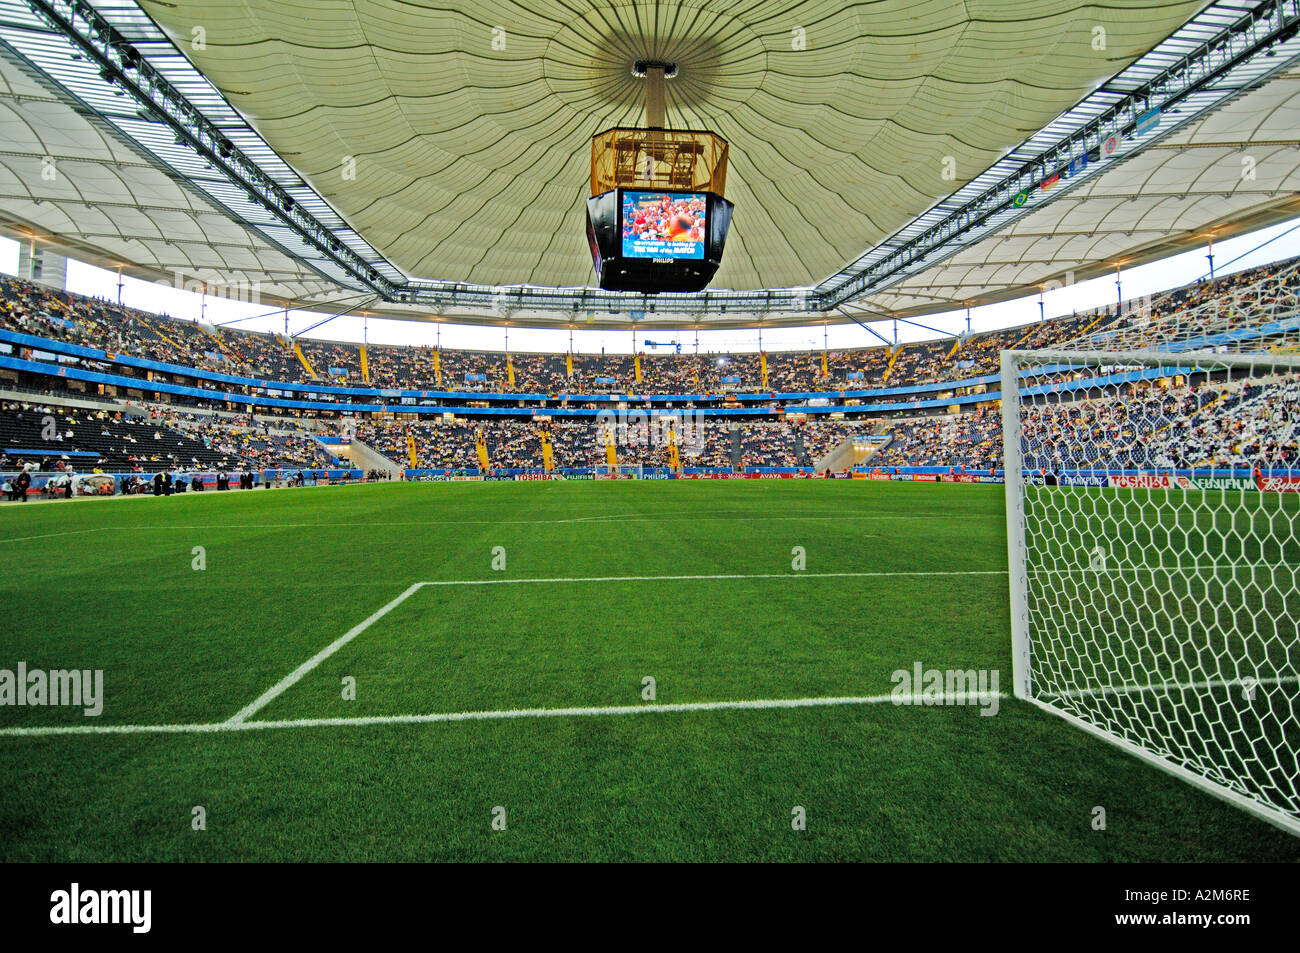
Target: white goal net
1154	536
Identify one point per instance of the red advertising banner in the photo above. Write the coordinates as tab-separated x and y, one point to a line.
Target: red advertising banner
1279	484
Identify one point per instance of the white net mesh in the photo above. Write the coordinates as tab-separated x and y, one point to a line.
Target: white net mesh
1158	523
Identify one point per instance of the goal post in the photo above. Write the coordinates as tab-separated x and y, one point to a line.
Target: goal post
1014	477
1153	539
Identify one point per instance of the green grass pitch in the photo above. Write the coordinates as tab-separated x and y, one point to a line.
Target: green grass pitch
110	585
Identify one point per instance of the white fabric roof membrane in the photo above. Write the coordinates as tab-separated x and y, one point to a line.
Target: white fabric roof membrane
469	125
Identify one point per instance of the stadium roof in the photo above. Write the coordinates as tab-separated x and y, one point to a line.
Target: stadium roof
70	181
469	131
473	157
1233	171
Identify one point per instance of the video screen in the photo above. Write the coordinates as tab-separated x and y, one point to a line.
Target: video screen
664	224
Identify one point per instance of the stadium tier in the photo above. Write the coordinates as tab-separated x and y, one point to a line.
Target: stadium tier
929	405
208	353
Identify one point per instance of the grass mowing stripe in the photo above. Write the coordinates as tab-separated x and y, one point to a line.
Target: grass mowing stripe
837	517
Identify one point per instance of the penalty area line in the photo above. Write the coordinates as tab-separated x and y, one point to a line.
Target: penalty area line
297	674
793	574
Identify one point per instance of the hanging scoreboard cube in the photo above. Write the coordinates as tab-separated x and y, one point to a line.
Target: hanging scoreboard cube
657	220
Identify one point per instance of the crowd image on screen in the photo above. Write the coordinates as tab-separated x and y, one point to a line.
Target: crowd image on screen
664	218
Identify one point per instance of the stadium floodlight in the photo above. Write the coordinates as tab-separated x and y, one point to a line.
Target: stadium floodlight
1153	517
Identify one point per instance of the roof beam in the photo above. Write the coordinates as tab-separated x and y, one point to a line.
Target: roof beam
927	327
338	314
867	327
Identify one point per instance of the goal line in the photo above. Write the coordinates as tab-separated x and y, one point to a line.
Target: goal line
914	700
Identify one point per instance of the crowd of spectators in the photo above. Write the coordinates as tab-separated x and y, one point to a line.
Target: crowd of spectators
971	440
1151	426
1247	299
56	439
1244	298
1243	424
1213	424
265	444
446	444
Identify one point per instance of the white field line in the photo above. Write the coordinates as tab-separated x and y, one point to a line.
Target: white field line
915	700
957	698
783	575
292	678
753	575
71	532
602	519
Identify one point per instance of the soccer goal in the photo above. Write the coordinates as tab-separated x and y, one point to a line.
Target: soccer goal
1153	517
